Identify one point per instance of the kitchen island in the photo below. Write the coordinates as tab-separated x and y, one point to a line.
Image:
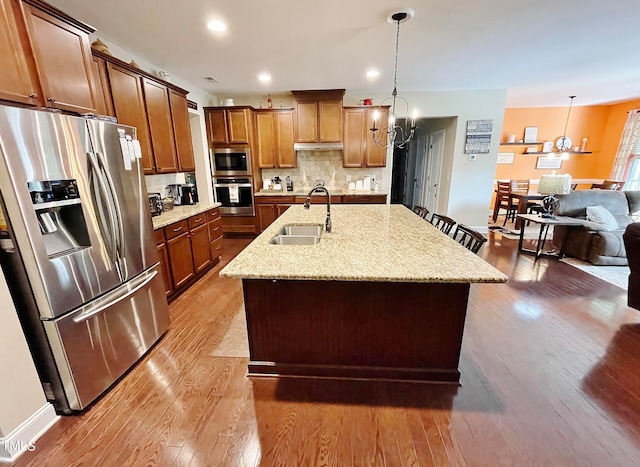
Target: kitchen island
383	296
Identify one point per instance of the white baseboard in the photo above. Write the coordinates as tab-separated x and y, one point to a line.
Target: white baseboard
24	437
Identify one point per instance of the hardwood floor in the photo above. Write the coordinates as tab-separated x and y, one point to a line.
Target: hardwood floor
550	377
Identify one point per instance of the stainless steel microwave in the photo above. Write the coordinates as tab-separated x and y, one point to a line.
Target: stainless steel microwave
226	162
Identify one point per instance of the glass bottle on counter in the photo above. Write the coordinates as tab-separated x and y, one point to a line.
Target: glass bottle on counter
269	102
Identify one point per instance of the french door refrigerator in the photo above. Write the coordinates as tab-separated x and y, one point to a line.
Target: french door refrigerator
77	250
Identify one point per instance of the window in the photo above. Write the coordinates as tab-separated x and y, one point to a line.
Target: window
633	170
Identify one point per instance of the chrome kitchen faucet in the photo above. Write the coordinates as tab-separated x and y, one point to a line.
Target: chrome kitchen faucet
307	203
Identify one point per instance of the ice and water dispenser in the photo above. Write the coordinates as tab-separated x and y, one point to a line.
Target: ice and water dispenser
58	209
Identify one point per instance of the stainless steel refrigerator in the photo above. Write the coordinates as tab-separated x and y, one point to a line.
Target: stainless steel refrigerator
77	250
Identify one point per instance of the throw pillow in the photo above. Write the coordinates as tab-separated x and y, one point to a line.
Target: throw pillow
601	215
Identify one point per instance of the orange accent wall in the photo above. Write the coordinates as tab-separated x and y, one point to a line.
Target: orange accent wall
586	121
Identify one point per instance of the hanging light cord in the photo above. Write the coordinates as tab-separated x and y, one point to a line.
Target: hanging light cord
568	114
395	69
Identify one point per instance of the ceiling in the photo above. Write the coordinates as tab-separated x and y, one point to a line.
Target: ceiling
541	51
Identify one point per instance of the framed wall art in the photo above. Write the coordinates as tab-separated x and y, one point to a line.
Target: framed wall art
506	157
546	163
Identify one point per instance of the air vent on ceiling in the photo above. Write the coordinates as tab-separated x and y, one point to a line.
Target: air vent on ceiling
211	79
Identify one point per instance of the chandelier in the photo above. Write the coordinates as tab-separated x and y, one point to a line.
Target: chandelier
563	144
396	136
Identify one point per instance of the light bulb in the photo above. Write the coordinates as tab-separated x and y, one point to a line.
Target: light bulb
376	115
392	120
217	25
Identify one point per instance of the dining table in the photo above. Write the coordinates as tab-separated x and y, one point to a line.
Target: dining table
523	200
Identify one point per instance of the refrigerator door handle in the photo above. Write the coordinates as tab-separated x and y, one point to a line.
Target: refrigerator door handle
99	308
103	189
116	206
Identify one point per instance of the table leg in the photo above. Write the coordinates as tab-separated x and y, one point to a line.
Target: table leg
538	247
521	238
522	209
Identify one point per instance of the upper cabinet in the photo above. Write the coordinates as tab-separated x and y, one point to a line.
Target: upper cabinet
63	58
360	150
274	131
228	125
156	98
318	116
128	103
104	101
156	108
16	81
45	56
182	131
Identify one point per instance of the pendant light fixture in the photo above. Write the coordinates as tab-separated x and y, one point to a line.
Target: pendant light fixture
563	144
396	136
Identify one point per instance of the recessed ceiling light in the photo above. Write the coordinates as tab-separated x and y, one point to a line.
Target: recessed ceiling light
264	77
217	25
373	74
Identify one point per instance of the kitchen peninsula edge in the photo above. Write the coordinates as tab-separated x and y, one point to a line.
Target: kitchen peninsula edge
384	296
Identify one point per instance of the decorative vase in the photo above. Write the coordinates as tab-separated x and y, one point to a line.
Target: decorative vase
100	47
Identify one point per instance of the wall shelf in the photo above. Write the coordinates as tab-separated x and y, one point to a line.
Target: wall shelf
519	144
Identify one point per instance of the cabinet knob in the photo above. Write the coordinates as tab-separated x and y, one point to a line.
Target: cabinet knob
33	95
51	99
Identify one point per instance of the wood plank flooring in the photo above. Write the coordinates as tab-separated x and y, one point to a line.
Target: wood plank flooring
550	377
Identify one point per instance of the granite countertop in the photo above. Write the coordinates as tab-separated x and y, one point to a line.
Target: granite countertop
335	192
380	243
179	213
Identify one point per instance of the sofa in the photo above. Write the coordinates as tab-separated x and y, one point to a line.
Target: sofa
594	242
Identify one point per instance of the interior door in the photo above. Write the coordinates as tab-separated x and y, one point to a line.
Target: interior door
137	245
434	169
418	179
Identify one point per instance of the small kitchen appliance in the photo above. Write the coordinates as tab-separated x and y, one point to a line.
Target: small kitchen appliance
155	204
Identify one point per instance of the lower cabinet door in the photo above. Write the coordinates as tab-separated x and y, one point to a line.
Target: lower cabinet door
165	268
216	249
266	215
200	248
181	259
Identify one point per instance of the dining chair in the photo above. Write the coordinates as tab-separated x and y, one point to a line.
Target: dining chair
470	239
504	201
442	222
421	211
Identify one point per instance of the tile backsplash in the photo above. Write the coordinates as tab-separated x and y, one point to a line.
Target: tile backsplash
157	183
325	165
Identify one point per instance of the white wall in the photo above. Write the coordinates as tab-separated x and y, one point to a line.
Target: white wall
470	183
198	126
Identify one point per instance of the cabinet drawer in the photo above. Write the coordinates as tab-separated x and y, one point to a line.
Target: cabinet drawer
216	248
274	199
215	229
197	221
213	214
176	229
159	234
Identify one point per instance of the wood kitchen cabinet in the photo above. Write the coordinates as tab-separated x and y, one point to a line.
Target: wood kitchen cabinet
128	104
200	248
359	148
188	249
63	57
180	258
104	102
269	208
182	131
228	125
318	116
364	199
17	82
156	99
274	131
164	262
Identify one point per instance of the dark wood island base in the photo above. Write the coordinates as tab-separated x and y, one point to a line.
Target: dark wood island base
355	330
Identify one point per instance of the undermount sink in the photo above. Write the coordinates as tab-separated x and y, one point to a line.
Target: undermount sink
295	240
297	229
296	234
